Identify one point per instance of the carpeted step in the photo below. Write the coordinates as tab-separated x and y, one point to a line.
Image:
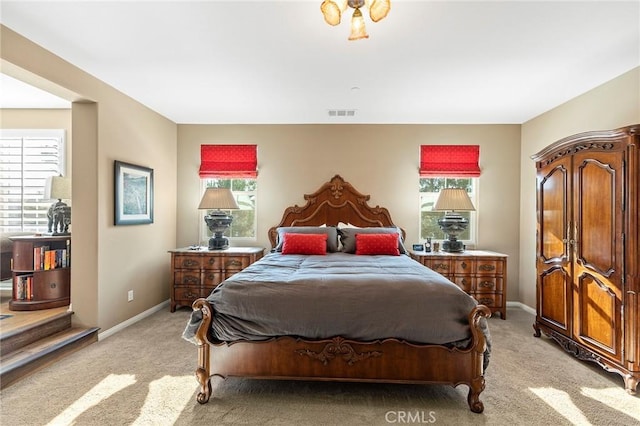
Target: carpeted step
38	354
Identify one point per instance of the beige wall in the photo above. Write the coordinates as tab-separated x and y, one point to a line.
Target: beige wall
380	160
107	125
612	105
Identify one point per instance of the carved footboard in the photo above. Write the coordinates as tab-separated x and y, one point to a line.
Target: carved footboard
339	359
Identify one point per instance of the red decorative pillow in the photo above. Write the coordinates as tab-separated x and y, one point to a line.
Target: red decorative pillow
377	244
304	243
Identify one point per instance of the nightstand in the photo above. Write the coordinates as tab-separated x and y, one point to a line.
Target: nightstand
482	274
196	272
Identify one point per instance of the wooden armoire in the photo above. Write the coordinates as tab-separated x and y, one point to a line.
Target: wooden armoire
587	250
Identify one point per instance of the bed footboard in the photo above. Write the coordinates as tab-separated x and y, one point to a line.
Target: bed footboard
339	359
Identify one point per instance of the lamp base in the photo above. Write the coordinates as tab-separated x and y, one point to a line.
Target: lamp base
451	246
218	243
218	222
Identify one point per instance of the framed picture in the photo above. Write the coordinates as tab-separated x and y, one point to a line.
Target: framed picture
133	194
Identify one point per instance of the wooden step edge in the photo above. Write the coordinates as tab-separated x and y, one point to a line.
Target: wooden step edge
28	327
12	371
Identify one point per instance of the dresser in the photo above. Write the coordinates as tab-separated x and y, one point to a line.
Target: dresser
196	272
480	273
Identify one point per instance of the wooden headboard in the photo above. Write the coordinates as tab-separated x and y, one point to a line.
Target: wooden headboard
336	201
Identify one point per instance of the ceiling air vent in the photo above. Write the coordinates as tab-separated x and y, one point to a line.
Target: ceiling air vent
342	112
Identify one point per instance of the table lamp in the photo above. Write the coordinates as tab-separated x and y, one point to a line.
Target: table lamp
453	200
218	221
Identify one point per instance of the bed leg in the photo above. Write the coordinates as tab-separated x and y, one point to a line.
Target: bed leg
203	374
205	386
475	388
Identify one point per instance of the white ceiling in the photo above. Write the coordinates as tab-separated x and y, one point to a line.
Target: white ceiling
279	62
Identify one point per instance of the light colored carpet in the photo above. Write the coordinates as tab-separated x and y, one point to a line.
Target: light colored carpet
143	375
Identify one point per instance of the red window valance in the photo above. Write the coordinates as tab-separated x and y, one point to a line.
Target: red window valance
228	161
449	160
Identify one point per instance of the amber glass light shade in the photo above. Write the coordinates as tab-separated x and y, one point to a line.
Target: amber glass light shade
331	12
379	9
358	30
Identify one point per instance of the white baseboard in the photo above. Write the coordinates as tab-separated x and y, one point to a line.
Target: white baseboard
522	306
132	320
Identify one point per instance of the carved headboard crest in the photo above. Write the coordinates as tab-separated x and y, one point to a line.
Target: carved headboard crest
336	201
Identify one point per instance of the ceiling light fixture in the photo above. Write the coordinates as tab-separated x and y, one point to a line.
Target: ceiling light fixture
332	11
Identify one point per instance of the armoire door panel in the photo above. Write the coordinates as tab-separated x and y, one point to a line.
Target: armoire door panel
598	212
598	317
553	201
554	295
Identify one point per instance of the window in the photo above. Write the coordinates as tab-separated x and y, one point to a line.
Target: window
27	158
244	220
429	190
447	166
233	167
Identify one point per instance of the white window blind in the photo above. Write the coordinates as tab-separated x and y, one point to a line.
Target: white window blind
27	158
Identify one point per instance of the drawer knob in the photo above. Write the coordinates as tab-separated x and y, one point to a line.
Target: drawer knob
53	285
233	262
486	267
441	266
486	301
189	262
464	265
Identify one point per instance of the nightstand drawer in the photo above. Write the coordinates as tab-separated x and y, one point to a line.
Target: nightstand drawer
441	266
464	282
211	278
186	277
488	285
489	300
186	293
237	263
187	262
463	266
488	267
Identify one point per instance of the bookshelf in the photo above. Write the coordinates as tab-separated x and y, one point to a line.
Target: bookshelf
41	272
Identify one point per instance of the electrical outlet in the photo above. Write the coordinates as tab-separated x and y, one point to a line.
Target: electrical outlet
130	296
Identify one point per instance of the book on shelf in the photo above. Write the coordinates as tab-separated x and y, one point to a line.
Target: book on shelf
24	287
45	258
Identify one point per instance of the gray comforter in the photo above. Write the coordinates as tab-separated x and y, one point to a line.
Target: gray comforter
357	297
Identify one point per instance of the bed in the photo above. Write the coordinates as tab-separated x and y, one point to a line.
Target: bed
340	315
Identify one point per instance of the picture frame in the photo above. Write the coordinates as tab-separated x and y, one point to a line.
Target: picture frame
133	194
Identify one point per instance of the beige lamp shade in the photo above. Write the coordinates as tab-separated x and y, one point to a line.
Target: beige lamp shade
218	198
57	188
453	199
